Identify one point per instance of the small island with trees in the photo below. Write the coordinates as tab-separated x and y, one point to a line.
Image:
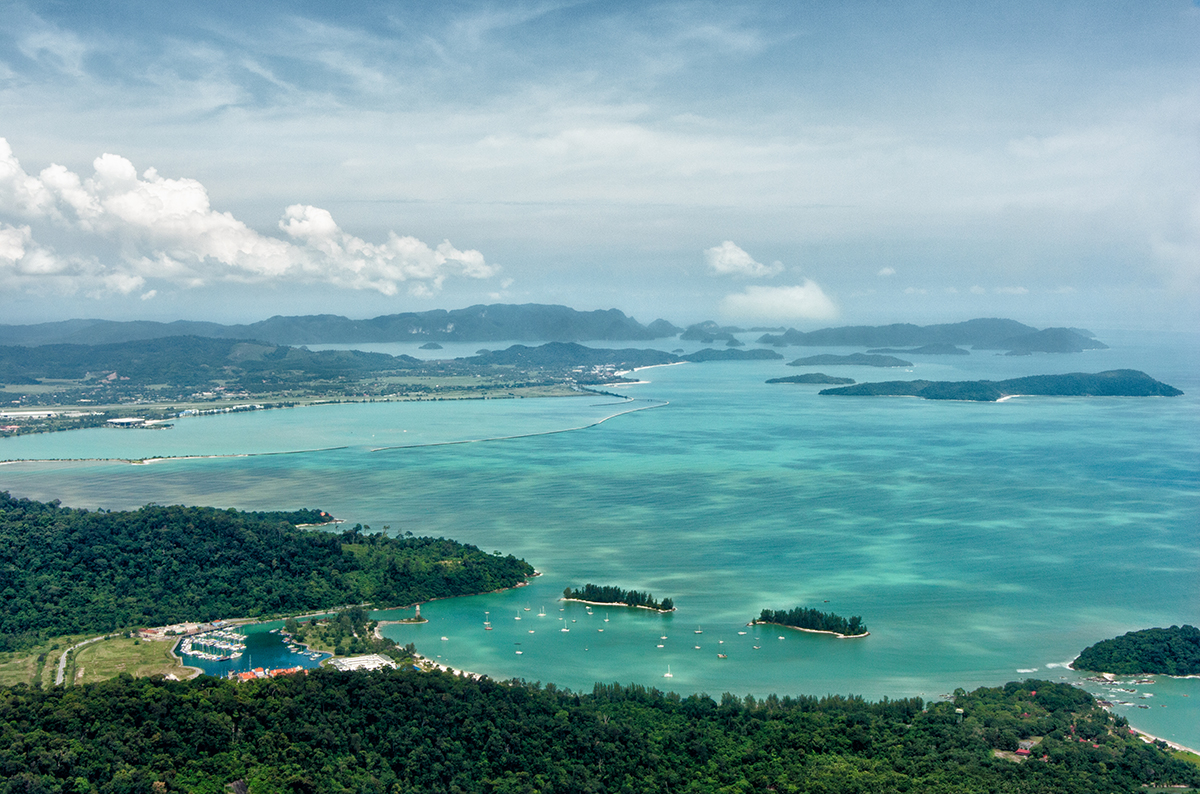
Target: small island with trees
814	621
615	596
1173	651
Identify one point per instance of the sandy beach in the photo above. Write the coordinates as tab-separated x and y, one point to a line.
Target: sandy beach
811	631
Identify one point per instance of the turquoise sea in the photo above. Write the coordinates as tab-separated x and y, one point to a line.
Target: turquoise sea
981	543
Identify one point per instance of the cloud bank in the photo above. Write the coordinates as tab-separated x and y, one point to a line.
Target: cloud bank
117	232
728	259
804	301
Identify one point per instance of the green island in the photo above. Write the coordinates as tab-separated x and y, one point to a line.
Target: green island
407	731
813	377
853	359
1170	651
815	621
615	596
67	571
1111	383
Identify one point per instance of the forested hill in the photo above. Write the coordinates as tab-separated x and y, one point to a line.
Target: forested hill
1113	383
531	322
1173	651
65	571
406	732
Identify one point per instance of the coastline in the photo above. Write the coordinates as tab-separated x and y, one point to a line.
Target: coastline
1150	738
622	603
839	635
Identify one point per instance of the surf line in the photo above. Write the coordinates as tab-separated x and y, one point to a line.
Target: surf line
164	458
657	404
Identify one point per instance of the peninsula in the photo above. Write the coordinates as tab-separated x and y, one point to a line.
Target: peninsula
814	621
615	596
1171	651
1112	383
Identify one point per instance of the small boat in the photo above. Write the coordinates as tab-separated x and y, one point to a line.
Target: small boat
697	647
531	631
445	638
660	645
599	629
564	628
668	673
722	656
520	652
756	647
487	627
741	632
518	617
663	637
573	620
542	612
698	631
605	617
526	609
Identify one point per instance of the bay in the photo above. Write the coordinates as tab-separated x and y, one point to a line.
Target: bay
980	543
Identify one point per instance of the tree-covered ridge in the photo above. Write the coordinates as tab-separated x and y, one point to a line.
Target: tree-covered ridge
607	594
1173	651
65	571
1111	383
814	620
403	731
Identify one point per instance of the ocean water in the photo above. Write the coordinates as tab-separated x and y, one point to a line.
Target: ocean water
981	543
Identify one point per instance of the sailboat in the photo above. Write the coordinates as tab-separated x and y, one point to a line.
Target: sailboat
487	623
542	612
518	617
668	673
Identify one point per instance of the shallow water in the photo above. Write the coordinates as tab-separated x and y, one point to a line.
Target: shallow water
977	541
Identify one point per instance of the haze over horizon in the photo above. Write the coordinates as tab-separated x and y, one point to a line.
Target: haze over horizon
804	165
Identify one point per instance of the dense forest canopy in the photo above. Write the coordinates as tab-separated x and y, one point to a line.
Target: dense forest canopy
65	571
405	731
1173	651
607	594
803	618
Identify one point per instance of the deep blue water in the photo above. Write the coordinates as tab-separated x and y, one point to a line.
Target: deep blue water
980	542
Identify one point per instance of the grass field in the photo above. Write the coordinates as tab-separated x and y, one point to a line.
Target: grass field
34	664
109	658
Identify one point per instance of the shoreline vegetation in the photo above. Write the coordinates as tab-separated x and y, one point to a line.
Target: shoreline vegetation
1173	651
199	564
813	620
607	595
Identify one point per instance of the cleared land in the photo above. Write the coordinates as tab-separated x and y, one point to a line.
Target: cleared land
108	658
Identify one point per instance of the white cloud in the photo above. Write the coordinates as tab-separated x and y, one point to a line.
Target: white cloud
886	271
166	230
978	290
1011	291
913	291
805	301
727	259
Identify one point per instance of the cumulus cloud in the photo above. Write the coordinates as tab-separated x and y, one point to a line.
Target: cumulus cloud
1011	291
886	271
727	259
804	301
165	230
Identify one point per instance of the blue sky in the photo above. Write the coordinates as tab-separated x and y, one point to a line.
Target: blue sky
797	163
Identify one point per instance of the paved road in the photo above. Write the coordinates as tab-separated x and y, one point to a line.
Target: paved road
62	660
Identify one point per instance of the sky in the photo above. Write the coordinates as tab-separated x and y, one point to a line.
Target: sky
800	164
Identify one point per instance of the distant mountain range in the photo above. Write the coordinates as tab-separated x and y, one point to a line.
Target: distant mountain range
535	322
532	322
